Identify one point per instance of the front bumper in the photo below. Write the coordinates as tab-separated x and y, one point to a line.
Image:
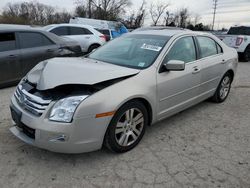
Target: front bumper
82	135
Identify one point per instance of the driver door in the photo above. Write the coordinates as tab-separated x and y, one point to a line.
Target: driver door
178	90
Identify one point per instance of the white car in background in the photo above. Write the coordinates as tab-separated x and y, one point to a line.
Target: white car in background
88	37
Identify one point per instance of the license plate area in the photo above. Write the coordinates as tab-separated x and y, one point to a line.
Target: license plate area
16	116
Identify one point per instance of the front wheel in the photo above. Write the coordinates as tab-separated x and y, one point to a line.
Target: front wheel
223	89
127	127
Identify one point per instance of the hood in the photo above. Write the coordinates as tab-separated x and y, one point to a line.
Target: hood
64	71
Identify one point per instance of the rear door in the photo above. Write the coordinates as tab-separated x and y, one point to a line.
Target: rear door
179	89
83	36
10	67
213	64
35	47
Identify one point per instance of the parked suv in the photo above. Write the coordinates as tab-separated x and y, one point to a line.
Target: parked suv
22	47
238	37
88	37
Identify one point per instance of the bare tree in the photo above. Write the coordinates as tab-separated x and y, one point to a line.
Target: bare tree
136	20
139	20
104	9
156	11
197	19
170	19
183	16
32	13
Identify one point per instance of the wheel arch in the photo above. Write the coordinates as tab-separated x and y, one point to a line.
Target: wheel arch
95	44
247	47
146	103
231	72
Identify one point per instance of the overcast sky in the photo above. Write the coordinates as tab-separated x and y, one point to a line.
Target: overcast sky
230	12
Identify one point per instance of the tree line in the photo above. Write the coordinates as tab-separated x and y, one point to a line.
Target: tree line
35	13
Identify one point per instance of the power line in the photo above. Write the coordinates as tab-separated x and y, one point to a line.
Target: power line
215	8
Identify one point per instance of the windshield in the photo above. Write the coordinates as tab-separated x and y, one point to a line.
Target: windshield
135	51
239	31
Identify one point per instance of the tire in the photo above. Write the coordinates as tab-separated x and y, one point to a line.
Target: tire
123	134
223	89
92	47
246	55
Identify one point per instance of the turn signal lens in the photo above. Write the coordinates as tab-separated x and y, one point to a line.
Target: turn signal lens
105	114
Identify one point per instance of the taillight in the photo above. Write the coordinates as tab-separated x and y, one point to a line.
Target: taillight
103	37
239	41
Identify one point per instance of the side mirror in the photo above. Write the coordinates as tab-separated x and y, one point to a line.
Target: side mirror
174	65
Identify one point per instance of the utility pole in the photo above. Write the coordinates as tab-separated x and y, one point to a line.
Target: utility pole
215	8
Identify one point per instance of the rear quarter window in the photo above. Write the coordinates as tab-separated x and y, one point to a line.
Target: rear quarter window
219	49
104	31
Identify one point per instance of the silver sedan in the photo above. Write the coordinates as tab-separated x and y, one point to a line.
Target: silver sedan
109	97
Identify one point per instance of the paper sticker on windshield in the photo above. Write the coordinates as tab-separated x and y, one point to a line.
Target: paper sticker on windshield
141	64
151	47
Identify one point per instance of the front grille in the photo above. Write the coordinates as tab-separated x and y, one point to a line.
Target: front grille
31	103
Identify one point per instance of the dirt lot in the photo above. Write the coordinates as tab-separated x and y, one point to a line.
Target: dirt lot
205	146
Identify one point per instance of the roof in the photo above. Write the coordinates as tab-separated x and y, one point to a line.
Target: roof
165	32
67	24
26	28
14	27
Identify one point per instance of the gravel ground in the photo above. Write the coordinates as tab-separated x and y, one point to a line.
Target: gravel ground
205	146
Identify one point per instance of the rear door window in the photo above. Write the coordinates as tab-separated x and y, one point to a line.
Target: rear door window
7	42
208	47
31	40
79	31
60	31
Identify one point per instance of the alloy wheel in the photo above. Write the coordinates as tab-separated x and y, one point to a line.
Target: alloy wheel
225	87
129	127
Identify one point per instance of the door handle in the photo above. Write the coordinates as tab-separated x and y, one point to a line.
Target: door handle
13	56
50	50
196	70
223	61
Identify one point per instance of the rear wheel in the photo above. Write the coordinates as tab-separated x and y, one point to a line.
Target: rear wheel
127	127
223	89
246	54
93	47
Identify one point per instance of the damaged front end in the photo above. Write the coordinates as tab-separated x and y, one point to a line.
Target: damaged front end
36	101
67	84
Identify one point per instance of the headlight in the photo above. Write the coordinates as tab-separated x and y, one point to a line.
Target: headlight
64	109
